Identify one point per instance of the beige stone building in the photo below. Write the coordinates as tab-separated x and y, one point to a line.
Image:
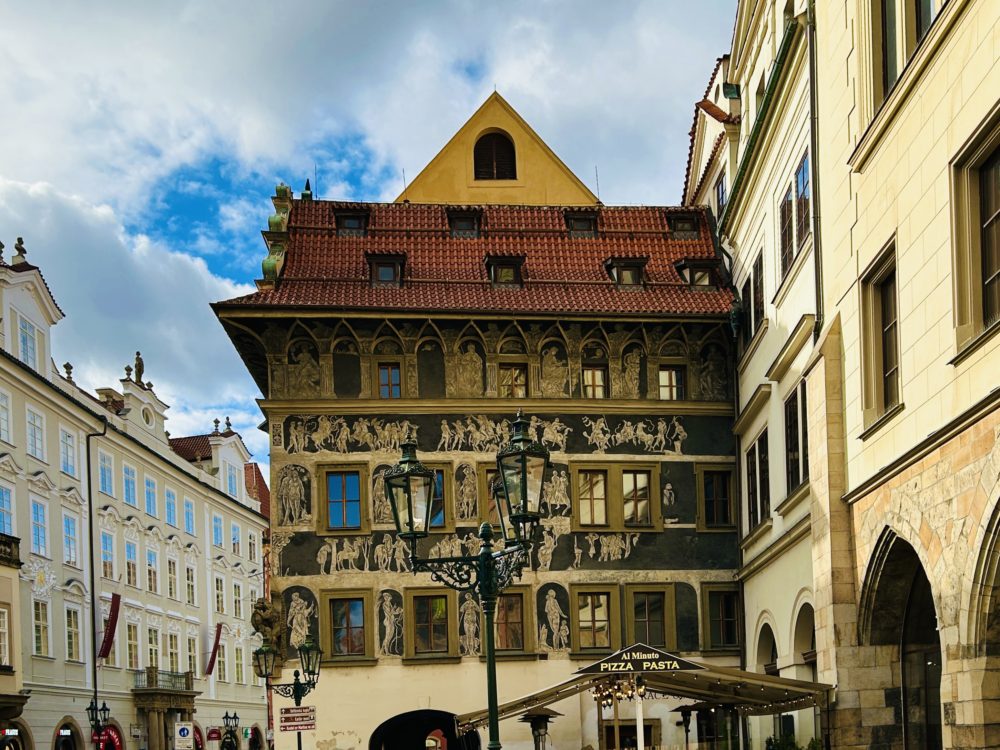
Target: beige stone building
140	554
897	521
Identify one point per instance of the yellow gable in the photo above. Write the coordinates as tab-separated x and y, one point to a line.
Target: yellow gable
540	177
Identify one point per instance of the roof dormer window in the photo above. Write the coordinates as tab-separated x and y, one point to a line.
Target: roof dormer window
386	270
464	225
698	273
627	273
683	226
505	271
352	224
581	225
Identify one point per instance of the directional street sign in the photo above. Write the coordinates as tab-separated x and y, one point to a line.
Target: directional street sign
297	718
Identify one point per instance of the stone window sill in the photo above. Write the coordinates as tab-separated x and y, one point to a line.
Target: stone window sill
882	419
973	345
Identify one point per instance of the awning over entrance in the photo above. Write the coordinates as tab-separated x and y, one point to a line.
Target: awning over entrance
670	676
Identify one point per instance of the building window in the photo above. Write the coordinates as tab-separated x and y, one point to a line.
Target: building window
236	538
252	545
635	494
386	270
347	617
722	617
802	194
715	501
989	190
494	158
40	615
672	383
4	417
106	472
352	225
649	614
39	528
786	229
28	340
5	637
107	555
238	665
758	293
880	353
152	572
594	381
389	380
626	272
720	197
151	501
71	546
192	655
153	648
128	482
504	270
899	28
72	634
111	660
343	500
172	579
595	618
132	564
430	624
683	226
6	511
171	505
67	453
36	435
796	439
173	653
237	601
513	381
232	481
592	491
890	62
221	670
189	583
758	481
888	322
464	226
220	595
216	530
387	273
132	645
189	516
510	622
581	226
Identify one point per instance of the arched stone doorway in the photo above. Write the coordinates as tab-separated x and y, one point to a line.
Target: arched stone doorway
767	651
16	737
804	668
900	618
412	730
68	737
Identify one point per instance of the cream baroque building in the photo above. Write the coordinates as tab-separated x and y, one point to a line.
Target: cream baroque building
897	553
121	528
751	162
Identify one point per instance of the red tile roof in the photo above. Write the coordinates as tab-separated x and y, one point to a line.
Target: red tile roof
562	274
192	447
257	488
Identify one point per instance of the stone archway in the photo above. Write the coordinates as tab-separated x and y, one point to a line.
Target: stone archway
900	627
409	731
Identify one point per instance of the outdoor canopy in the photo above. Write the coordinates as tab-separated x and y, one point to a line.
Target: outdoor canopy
668	675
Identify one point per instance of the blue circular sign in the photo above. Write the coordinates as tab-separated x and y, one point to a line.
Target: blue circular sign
183	731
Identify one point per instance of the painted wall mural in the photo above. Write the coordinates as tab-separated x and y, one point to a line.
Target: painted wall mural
294	494
553	618
469	618
301	617
389	606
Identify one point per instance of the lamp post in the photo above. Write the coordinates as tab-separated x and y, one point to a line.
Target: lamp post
522	465
99	718
230	740
309	658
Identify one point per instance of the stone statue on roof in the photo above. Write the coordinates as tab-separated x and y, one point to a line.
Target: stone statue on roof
140	366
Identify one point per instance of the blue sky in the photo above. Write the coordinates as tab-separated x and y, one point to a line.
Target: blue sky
143	142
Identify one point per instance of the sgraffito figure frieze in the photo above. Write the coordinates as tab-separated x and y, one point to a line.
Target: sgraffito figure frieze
553	618
389	607
294	496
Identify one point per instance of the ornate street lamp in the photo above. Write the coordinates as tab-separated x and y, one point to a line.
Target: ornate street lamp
310	656
522	465
99	719
230	740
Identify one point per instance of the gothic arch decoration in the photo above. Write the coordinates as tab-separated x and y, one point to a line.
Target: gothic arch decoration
302	359
803	632
346	353
629	381
555	380
430	364
465	369
766	653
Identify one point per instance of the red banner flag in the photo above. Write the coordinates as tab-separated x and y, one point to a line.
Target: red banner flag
215	650
108	642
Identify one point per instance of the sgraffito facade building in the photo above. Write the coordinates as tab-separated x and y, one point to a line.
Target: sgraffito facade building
129	559
496	282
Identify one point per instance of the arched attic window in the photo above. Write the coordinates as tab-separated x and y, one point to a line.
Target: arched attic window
494	158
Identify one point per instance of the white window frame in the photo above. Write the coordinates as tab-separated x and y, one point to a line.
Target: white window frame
193	599
106	461
218	540
191	528
79	632
152	556
111	660
108	535
192	654
8	512
148	482
67	516
153	644
232	480
176	578
23	322
44	505
239	667
222	663
5	412
126	468
237	600
135	545
169	493
48	629
67	458
28	439
252	545
216	591
138	646
5	652
236	538
173	655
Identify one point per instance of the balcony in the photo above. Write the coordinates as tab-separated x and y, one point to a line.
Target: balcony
10	551
153	688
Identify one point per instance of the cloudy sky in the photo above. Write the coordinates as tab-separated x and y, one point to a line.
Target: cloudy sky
142	141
